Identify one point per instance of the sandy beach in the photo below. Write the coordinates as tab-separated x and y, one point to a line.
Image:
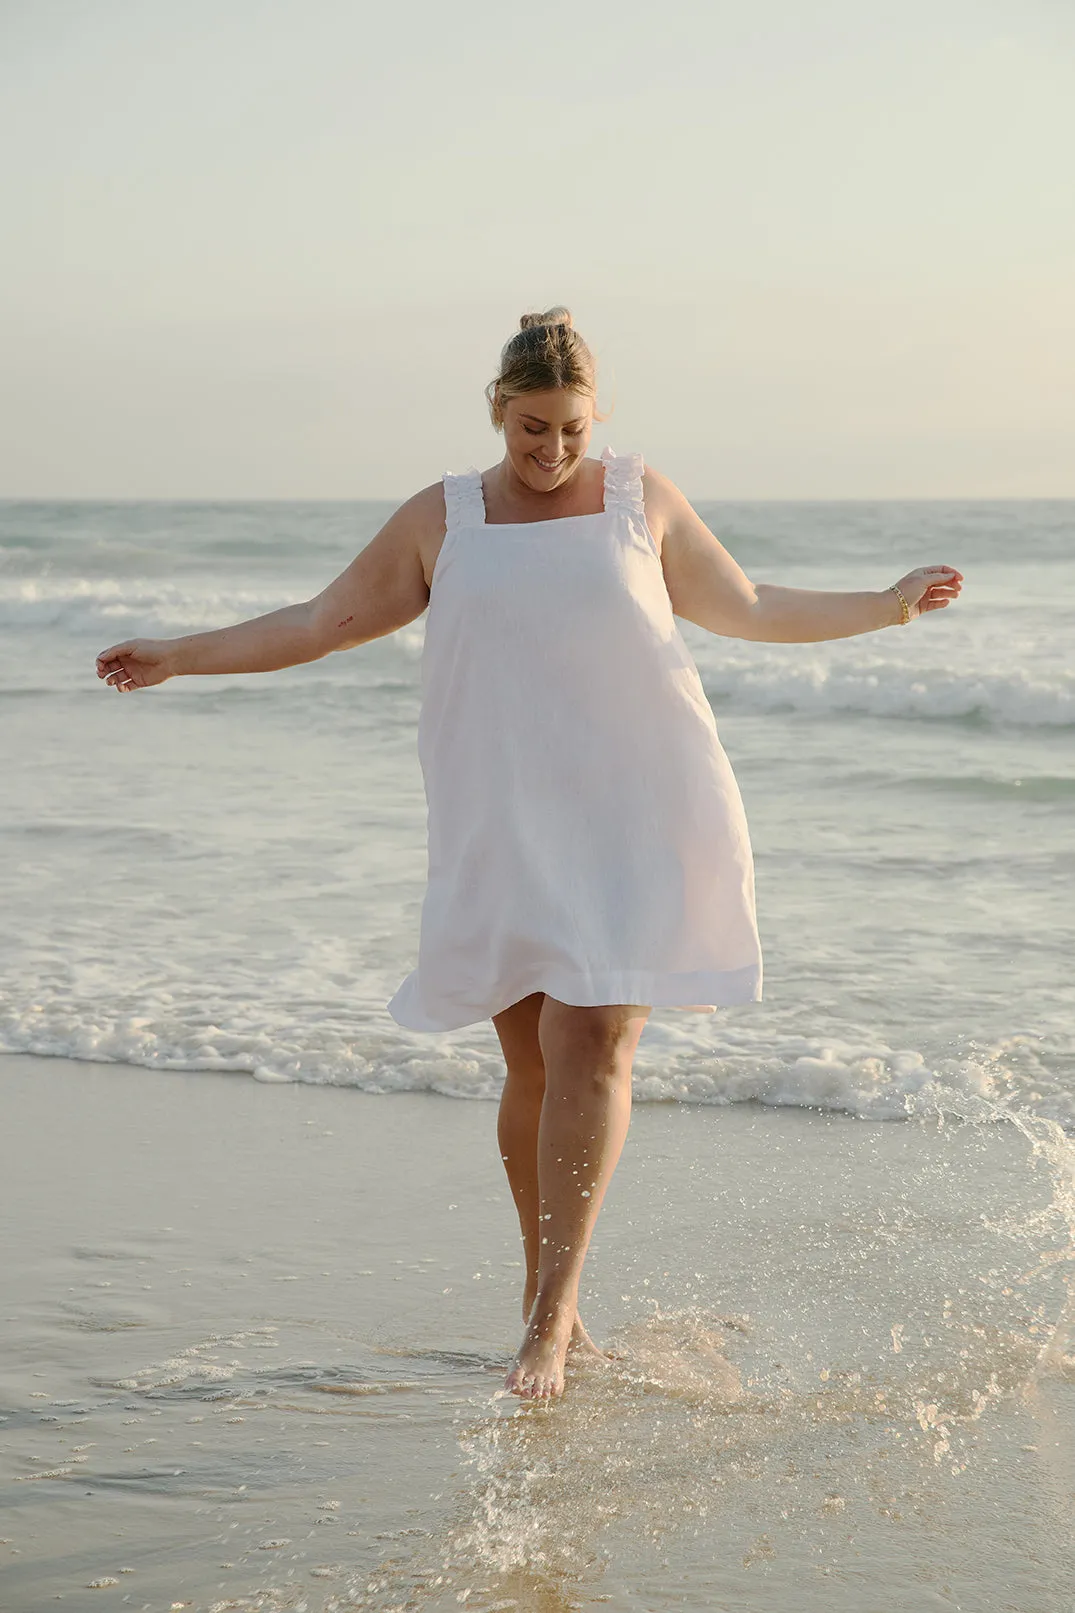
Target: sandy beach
254	1335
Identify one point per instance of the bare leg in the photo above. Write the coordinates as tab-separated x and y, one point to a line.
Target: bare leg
517	1133
518	1121
587	1054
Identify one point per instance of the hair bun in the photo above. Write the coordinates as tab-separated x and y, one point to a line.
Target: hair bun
546	354
551	316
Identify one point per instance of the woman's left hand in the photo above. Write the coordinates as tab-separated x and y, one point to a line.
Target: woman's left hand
930	588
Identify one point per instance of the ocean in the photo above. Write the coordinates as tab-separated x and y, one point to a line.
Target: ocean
227	873
254	1329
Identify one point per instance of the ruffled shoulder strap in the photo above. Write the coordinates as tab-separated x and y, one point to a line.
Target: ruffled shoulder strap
464	505
623	481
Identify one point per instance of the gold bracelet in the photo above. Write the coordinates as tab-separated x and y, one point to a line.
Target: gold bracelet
905	609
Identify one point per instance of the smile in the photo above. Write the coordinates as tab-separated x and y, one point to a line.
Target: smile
545	464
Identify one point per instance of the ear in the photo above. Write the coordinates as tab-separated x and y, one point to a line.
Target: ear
496	413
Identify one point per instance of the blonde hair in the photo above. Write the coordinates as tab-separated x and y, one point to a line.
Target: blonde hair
546	354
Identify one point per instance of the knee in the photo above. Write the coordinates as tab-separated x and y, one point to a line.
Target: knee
526	1076
598	1041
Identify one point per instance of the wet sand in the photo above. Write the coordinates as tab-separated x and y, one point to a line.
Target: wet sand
253	1337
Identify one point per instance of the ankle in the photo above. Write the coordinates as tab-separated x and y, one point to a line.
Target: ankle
554	1309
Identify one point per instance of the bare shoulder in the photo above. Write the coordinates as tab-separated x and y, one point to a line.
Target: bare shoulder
660	488
421	515
417	527
387	583
705	583
666	507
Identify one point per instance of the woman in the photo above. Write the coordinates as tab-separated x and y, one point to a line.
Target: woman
588	852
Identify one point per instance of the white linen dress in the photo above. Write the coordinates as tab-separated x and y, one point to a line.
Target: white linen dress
586	833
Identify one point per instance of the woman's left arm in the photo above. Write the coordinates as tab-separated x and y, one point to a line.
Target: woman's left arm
708	587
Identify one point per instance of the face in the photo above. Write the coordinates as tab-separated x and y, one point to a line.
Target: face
546	435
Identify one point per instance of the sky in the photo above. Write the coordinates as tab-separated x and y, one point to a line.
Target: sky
272	248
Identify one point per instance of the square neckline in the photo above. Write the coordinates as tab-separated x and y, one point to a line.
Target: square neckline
548	520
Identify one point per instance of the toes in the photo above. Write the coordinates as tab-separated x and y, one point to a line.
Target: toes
523	1384
531	1386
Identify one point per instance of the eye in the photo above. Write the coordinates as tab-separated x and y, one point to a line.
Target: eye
534	431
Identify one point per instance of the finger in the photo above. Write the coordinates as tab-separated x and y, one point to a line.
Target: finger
115	651
936	576
112	669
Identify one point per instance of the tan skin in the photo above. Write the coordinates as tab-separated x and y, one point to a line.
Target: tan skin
567	1094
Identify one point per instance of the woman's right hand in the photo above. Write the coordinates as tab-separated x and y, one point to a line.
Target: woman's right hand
137	663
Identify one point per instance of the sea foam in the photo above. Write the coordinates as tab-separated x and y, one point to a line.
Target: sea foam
865	1076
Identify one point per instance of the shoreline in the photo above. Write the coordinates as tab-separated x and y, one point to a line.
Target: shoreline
243	1314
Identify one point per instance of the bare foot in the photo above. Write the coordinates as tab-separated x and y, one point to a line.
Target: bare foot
538	1373
581	1345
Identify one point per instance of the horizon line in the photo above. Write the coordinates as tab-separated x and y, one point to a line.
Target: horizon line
723	498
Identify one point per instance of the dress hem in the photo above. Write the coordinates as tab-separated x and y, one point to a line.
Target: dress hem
702	992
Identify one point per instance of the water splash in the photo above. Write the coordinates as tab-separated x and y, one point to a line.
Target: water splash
731	1430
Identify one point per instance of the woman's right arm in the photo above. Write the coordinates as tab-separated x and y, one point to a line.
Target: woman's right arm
382	589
